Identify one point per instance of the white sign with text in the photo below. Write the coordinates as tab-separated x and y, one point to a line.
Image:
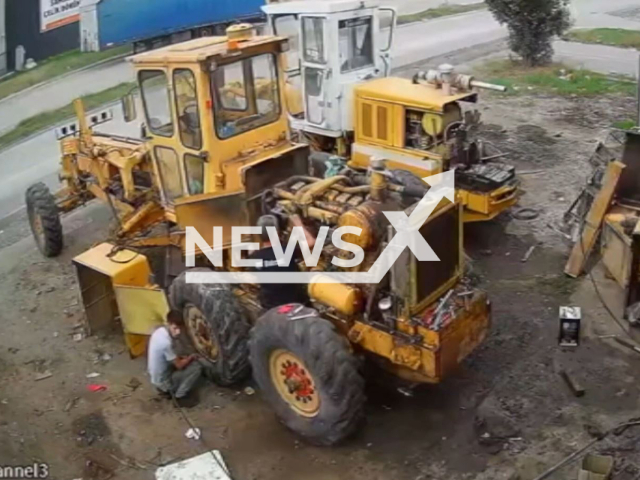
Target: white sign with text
57	13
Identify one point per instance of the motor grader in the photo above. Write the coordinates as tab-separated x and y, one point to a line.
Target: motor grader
346	103
213	158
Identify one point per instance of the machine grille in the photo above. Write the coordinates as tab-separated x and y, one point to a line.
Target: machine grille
367	120
383	123
443	235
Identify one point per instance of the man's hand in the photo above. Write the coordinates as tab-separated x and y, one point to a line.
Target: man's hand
183	362
296	221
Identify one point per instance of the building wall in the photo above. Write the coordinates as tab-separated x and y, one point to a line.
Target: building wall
23	28
3	40
89	38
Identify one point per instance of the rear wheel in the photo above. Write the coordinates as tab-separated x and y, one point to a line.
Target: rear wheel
216	326
308	374
44	220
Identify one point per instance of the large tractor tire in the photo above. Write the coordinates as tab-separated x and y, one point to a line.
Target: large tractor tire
217	327
44	220
308	374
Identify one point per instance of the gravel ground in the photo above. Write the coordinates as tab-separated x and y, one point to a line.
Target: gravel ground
507	415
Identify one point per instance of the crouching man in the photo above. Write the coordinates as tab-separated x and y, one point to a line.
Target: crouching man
172	375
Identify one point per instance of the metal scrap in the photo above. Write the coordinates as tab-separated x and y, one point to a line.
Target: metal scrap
526	256
43	375
572	383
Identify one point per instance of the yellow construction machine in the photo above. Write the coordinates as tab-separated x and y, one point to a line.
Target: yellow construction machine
218	153
342	101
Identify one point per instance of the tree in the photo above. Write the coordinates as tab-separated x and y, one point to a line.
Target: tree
532	25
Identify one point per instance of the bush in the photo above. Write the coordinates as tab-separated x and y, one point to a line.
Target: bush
532	25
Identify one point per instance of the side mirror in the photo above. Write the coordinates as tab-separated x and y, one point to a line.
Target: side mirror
128	103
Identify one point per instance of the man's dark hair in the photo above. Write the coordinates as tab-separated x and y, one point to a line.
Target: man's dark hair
174	317
267	221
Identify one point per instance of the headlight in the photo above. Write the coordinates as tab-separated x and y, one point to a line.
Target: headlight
385	304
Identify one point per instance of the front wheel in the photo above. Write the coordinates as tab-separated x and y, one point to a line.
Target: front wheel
216	326
308	374
44	219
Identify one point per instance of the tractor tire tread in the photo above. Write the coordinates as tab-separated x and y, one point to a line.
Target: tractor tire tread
222	310
41	202
335	369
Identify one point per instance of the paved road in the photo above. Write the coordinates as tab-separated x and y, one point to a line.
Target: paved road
600	58
62	92
36	160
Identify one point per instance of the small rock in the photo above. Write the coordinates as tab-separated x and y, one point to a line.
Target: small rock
50	289
249	391
56	334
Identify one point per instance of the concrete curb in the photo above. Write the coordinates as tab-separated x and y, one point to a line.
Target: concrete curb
101	63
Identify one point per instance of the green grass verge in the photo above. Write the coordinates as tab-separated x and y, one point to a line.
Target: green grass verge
617	37
54	67
34	124
556	79
625	124
441	11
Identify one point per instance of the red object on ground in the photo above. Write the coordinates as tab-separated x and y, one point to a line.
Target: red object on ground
94	387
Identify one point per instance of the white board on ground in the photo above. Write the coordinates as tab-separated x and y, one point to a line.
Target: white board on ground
202	467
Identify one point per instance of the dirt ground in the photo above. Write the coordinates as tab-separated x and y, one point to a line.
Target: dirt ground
507	415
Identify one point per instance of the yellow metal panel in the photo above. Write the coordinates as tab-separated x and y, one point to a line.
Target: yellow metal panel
385	345
142	309
375	122
124	267
405	92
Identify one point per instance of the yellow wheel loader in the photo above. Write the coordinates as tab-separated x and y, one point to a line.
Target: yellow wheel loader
213	158
343	101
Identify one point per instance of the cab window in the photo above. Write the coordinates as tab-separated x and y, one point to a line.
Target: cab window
170	176
246	95
287	26
194	169
313	39
155	97
356	44
184	84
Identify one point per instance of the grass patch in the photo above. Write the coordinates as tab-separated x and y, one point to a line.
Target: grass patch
557	79
625	124
34	124
617	37
54	67
441	11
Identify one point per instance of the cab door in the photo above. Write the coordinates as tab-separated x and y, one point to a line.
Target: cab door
316	70
170	102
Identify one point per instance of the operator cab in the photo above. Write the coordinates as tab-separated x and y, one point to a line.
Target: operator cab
213	107
335	44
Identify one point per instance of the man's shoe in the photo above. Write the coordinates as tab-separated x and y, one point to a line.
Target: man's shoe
187	402
163	394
